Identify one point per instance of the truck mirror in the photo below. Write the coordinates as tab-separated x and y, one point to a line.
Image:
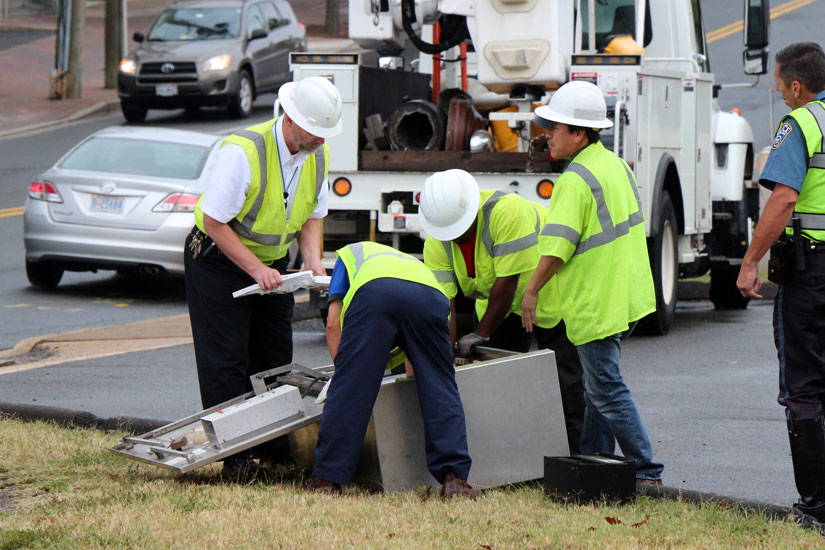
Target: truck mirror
757	24
138	37
755	61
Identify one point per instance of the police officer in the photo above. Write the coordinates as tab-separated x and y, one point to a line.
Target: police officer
267	186
594	243
795	172
380	297
486	244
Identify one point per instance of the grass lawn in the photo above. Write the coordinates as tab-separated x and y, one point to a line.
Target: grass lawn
62	488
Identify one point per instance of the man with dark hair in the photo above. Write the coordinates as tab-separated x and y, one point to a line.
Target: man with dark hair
593	246
792	226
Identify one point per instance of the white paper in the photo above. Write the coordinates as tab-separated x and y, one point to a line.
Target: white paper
291	283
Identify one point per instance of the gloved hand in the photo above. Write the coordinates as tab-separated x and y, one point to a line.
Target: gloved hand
466	343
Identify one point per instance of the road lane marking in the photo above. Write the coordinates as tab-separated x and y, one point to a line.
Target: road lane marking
14	211
737	26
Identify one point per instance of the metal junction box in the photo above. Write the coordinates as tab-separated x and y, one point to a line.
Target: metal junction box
255	413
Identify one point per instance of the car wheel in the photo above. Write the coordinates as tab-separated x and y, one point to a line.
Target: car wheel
44	274
133	112
241	105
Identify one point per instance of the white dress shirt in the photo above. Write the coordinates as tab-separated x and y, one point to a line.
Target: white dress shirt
229	182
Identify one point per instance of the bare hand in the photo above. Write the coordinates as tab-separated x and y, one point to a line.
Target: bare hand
315	266
267	278
528	310
748	281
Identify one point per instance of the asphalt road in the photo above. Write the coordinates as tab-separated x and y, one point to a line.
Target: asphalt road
706	391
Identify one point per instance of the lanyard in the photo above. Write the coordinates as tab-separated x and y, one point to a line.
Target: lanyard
281	168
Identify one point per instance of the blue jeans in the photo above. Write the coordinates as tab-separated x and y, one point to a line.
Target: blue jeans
610	413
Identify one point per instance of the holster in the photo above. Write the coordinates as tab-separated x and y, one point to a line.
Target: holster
781	261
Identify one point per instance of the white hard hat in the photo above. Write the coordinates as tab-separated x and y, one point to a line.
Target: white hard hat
314	104
448	204
577	103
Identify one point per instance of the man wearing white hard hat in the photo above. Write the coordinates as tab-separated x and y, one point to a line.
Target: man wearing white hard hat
485	244
268	187
593	245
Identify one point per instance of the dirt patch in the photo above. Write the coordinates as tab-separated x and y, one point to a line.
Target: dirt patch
8	500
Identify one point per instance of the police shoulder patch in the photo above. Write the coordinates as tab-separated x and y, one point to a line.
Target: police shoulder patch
783	132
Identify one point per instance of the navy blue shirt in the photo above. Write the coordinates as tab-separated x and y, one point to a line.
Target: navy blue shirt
338	282
788	161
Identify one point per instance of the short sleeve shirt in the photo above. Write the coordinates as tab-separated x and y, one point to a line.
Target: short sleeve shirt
788	161
339	281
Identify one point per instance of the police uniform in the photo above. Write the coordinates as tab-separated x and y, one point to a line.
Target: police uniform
236	338
595	225
506	243
389	299
797	160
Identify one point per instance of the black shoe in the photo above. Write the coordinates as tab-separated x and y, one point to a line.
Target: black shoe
241	468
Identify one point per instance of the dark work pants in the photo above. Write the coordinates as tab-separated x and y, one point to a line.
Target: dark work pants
234	337
799	335
510	335
413	316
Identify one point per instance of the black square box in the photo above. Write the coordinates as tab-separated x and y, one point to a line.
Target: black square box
588	478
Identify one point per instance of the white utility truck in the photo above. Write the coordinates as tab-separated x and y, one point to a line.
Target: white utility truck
466	101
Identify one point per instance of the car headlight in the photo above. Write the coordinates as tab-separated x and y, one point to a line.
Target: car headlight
217	63
128	66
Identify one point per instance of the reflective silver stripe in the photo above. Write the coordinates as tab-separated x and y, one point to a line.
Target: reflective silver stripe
818	111
357	250
444	276
561	231
320	168
817	160
244	228
609	232
448	248
486	238
812	222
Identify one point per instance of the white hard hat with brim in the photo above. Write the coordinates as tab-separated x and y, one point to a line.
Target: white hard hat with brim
314	104
576	103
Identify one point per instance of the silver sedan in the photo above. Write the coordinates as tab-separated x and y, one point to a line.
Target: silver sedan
121	199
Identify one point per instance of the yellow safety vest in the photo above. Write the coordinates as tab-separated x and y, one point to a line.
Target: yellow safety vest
367	261
810	204
264	224
506	244
595	224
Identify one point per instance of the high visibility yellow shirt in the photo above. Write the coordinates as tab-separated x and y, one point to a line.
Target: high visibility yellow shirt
507	230
596	226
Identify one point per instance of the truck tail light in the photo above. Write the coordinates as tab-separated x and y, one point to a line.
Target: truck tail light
177	202
342	187
44	191
544	189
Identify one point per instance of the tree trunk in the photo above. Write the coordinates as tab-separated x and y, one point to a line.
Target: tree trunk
333	20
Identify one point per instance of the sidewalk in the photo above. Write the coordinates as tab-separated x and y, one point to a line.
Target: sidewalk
24	88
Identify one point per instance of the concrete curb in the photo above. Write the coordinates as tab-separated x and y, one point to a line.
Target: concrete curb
99	108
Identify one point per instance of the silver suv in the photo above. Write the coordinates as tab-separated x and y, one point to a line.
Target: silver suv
210	53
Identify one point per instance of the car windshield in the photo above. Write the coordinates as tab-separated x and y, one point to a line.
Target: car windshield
196	24
158	159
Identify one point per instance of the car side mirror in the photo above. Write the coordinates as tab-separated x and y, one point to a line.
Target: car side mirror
755	61
757	24
258	33
138	37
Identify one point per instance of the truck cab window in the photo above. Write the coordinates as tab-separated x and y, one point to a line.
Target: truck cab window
613	18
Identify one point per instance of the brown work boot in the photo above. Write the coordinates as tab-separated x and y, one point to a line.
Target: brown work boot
645	481
315	483
454	485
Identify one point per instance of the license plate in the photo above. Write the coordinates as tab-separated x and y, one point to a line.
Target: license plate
166	90
107	205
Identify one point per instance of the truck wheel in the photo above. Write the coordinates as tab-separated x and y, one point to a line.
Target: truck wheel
133	112
664	263
241	105
723	291
43	274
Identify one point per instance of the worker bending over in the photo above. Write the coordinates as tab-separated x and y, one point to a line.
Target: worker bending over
486	244
594	243
379	298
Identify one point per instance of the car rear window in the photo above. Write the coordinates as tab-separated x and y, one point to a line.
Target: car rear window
196	24
139	157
